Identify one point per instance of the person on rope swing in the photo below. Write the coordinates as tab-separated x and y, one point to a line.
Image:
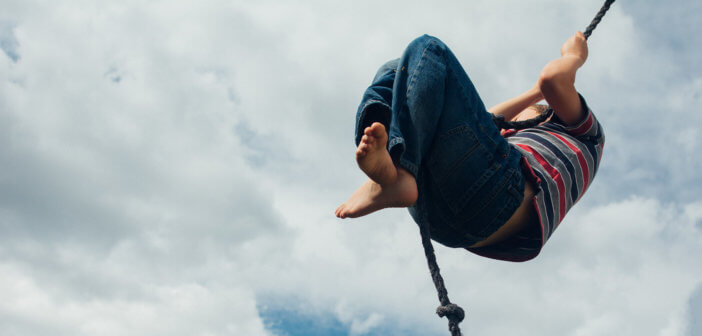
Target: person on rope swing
426	142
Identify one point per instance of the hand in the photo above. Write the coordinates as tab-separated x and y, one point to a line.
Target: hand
575	46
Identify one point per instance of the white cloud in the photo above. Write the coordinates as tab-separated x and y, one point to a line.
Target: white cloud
31	307
169	167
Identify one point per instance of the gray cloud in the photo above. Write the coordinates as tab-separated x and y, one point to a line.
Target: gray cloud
172	168
695	327
8	41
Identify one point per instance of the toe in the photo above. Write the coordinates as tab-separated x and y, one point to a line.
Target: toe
377	128
338	211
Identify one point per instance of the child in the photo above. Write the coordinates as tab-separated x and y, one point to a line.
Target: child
426	142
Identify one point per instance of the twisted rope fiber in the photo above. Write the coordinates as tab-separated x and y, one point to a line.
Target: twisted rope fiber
597	18
453	312
501	123
519	125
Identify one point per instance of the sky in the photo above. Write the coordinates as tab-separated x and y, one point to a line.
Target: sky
172	168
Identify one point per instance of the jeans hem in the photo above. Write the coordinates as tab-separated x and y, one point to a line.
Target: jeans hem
396	147
368	108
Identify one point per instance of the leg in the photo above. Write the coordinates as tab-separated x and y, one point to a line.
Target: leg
424	93
388	185
377	99
371	154
469	178
392	185
431	96
372	196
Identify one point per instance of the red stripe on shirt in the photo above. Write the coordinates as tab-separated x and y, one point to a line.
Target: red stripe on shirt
555	175
581	161
582	129
535	204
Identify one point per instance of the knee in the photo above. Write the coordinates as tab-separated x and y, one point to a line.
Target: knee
425	41
387	68
390	65
427	46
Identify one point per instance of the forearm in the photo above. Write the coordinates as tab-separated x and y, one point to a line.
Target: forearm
557	80
557	84
560	71
512	107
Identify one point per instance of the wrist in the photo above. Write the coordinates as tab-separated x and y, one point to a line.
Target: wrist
535	94
574	59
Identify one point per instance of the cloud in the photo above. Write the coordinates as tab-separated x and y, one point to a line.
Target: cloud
8	42
35	308
172	168
120	198
695	327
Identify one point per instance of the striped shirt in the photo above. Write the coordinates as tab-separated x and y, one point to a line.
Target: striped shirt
562	161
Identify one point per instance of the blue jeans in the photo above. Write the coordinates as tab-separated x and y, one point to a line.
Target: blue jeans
469	178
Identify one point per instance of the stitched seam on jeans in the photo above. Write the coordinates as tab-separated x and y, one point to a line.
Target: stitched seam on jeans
499	218
472	190
452	168
420	64
404	163
463	91
394	141
494	193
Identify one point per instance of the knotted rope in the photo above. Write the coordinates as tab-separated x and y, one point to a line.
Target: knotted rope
451	311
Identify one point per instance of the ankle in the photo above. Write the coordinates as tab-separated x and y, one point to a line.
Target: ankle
408	186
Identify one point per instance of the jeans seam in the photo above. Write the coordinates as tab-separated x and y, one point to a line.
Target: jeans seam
411	167
497	221
420	64
515	198
403	162
449	172
372	102
492	196
473	189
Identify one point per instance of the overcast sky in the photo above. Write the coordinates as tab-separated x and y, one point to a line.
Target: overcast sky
172	168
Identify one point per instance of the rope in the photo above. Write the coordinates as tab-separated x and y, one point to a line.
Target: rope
518	125
501	123
597	18
451	311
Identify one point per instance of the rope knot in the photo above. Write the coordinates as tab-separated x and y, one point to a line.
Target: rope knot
451	311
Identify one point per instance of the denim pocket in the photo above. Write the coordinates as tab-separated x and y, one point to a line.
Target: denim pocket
500	205
459	166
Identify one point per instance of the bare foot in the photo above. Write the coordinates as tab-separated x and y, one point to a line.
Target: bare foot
372	196
373	157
